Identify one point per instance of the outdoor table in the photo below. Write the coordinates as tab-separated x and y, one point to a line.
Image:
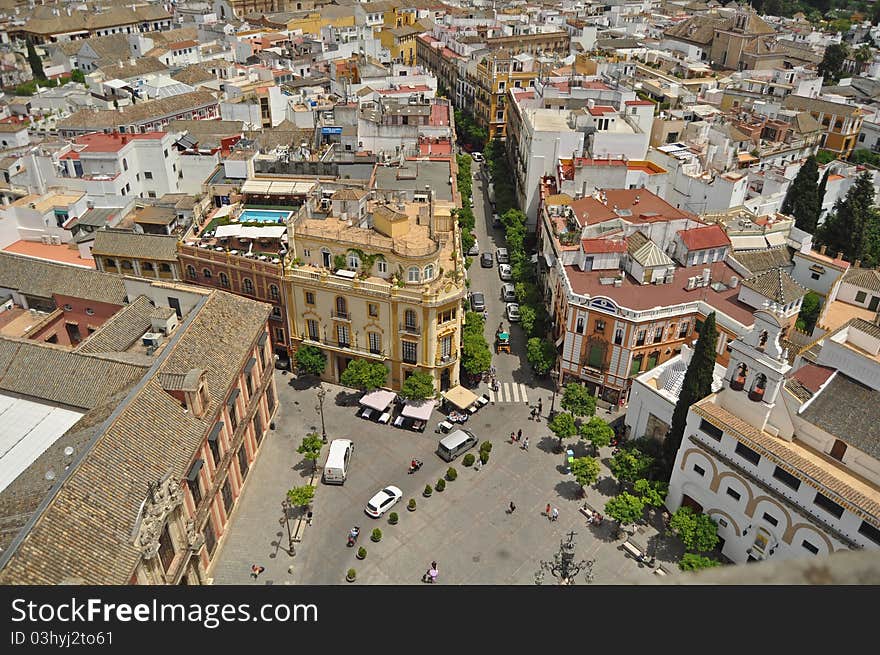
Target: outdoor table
385	418
445	426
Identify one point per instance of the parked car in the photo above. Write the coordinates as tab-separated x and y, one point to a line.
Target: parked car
502	256
505	272
512	312
475	249
508	292
383	501
477	156
486	260
496	220
472	202
478	301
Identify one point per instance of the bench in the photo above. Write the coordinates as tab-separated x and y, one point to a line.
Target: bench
660	571
632	550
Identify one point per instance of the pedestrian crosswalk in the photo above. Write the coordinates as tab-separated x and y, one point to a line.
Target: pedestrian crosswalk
509	392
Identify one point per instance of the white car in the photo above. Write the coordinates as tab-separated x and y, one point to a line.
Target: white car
512	312
505	272
383	501
477	156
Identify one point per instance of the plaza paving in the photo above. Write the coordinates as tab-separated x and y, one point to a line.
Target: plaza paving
466	528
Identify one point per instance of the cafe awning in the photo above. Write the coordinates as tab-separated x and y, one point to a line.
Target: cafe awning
420	410
460	397
378	399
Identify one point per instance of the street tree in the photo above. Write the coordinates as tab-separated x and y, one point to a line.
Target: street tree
364	375
653	492
697	531
853	226
694	562
585	470
697	384
541	354
831	66
809	314
630	464
475	354
310	448
301	496
418	386
802	198
625	509
310	360
597	432
578	400
563	426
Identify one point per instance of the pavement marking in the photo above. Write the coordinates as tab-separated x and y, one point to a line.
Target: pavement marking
515	388
509	392
505	391
491	396
525	397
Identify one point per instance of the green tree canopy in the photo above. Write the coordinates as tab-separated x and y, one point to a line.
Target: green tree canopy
527	318
630	464
78	76
418	386
694	562
310	360
301	496
697	384
585	470
35	62
653	492
597	432
625	508
364	374
310	448
802	198
698	532
853	226
578	400
831	67
475	354
809	314
541	354
563	426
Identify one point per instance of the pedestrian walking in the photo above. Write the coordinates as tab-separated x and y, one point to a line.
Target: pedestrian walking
256	569
309	518
478	465
525	445
512	437
554	514
512	508
547	511
540	407
519	435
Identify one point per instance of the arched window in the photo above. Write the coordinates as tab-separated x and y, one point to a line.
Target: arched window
191	272
759	386
148	266
326	257
353	261
762	340
224	280
273	292
409	320
341	307
127	265
206	273
109	263
248	285
429	273
412	274
738	382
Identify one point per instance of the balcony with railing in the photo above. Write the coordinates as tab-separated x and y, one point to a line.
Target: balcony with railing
341	315
410	328
345	346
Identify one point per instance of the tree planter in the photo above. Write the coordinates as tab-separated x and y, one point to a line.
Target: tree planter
377	535
428	491
411	506
351	575
393	518
362	553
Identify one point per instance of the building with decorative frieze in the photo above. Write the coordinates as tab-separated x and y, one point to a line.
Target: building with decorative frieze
787	460
134	443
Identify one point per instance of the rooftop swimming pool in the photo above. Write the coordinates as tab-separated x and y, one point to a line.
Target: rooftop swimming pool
263	216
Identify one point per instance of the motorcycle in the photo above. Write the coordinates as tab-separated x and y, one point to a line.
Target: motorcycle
415	465
353	536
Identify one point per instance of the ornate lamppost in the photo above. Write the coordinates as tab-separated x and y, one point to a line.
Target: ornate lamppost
564	567
285	507
322	393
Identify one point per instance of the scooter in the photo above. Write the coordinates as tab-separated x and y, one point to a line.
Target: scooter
416	467
353	536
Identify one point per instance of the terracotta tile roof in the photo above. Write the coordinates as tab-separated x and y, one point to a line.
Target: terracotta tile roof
867	278
53	373
816	471
84	533
758	261
142	112
601	245
121	330
846	408
812	255
803	103
123	243
869	328
39	278
807	380
113	70
701	238
777	285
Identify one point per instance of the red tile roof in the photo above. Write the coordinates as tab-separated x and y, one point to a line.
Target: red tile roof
603	245
638	102
100	142
701	238
601	110
813	376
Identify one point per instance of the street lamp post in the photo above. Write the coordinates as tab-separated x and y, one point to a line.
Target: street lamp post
563	567
285	507
554	375
322	393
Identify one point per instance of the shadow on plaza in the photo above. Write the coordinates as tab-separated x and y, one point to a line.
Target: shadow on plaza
303	382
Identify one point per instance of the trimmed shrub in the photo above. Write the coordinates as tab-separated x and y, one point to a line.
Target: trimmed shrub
362	552
484	456
377	535
393	518
468	459
441	485
411	505
428	491
486	447
451	474
351	575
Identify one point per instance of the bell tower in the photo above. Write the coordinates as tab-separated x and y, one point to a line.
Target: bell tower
757	369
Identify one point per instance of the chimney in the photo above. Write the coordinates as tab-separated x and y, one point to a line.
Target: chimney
822	250
858	264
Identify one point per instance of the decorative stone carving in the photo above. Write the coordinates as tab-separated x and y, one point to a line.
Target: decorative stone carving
194	538
163	497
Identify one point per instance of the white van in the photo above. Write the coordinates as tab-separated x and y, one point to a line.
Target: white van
336	467
455	443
